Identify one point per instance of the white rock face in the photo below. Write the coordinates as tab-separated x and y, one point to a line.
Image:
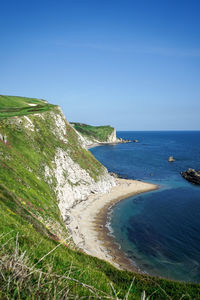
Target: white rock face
48	174
3	138
112	138
73	184
83	141
28	123
60	127
32	104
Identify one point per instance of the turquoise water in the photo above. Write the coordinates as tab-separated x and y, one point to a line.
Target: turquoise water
160	230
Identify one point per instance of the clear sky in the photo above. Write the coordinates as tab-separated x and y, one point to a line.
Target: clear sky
131	64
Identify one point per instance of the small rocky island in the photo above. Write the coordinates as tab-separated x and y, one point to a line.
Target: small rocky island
192	176
171	159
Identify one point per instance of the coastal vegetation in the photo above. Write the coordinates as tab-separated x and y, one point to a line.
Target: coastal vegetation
38	259
100	133
19	106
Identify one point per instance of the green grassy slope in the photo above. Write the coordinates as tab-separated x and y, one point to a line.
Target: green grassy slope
100	133
37	257
20	106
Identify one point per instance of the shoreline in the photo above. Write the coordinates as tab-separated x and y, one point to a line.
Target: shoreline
107	143
89	219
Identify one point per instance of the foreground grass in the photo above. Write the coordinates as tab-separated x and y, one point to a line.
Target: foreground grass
100	133
37	257
48	270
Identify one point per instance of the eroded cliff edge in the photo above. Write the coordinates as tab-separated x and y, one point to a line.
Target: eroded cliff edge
94	135
57	159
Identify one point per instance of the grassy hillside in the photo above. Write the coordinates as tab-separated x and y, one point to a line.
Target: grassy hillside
20	106
100	133
38	260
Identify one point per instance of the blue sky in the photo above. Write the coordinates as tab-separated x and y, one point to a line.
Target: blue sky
132	64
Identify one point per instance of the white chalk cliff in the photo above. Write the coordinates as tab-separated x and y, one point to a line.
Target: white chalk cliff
73	183
63	161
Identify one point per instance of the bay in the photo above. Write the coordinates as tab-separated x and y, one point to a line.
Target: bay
159	231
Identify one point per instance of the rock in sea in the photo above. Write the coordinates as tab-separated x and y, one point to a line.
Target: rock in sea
192	176
171	159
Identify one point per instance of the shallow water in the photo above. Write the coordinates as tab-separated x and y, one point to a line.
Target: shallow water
158	230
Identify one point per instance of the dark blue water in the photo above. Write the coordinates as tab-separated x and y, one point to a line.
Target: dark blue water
159	231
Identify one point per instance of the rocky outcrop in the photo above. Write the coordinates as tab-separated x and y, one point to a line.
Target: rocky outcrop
113	137
73	183
121	141
171	159
3	138
192	176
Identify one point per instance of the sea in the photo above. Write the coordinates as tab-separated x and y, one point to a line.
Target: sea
158	231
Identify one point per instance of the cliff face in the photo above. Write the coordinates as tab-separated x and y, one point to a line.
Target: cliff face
95	134
45	156
74	181
112	138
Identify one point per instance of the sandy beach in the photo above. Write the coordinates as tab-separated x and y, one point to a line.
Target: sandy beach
103	144
88	220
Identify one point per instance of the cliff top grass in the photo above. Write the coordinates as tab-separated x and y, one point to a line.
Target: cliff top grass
100	133
18	106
